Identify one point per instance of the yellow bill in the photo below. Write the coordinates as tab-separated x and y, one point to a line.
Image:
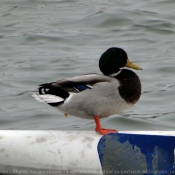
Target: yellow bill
132	65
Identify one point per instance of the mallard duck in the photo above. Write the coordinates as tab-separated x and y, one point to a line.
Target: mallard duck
94	96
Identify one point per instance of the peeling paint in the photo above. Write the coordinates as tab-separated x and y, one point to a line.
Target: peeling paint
82	153
40	139
2	150
89	145
89	140
28	137
59	152
31	143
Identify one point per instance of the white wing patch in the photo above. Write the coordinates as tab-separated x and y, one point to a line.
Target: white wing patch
48	98
90	87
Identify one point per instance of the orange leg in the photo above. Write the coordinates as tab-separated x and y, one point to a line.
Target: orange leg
101	130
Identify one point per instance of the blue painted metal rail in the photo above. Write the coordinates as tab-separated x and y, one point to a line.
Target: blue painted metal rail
133	154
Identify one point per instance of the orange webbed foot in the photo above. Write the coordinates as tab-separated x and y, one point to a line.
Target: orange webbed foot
105	131
101	130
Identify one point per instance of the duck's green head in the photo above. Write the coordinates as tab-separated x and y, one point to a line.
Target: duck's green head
113	59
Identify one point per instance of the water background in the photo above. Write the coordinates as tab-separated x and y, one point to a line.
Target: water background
46	40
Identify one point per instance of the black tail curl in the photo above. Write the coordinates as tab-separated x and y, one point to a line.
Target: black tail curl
48	88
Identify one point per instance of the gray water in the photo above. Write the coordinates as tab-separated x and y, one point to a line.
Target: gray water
46	40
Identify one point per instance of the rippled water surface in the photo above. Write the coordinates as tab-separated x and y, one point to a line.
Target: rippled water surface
46	40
